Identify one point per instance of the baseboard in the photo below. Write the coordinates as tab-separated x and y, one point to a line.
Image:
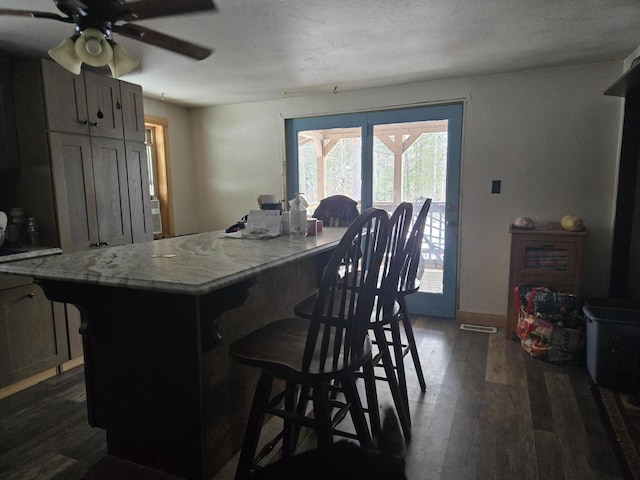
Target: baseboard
40	377
27	382
486	319
73	363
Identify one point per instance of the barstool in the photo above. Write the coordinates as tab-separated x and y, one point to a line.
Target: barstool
409	284
385	318
311	354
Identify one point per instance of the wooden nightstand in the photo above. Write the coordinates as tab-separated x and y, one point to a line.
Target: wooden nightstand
550	258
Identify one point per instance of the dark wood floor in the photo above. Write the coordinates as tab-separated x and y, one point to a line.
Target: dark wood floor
489	412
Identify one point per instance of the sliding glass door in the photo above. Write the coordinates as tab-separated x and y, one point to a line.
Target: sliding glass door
381	159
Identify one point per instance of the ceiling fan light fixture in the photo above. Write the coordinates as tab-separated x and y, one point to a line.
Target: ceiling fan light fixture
122	62
65	56
93	48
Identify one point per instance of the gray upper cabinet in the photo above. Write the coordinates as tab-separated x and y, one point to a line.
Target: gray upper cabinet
97	179
132	111
88	103
8	136
104	105
66	100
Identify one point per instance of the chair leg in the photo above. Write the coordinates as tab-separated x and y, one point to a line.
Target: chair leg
396	341
254	426
372	398
290	431
301	410
387	363
411	340
322	415
357	413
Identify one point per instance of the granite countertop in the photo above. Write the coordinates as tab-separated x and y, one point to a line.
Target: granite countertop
191	264
21	253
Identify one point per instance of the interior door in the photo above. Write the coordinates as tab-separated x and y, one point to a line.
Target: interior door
383	158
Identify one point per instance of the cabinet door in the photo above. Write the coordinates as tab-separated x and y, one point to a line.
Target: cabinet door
111	191
547	259
65	99
139	197
30	339
132	111
71	161
8	135
104	105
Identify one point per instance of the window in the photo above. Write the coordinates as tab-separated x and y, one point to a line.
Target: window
383	158
156	137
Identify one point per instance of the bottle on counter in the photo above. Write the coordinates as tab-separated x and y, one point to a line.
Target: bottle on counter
298	216
17	228
34	232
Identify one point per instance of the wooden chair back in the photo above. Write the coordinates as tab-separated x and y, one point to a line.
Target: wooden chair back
414	248
345	299
395	256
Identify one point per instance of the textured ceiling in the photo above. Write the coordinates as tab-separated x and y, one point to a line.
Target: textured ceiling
269	49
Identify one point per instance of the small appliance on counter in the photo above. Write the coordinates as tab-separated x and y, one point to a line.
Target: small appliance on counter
269	202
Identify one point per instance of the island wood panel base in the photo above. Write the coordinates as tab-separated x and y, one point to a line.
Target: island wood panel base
158	375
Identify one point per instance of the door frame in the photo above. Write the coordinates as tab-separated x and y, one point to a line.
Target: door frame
439	305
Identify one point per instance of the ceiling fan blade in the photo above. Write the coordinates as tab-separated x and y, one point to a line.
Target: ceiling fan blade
161	40
27	13
143	9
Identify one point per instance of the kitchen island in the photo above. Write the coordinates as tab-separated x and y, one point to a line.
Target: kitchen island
157	320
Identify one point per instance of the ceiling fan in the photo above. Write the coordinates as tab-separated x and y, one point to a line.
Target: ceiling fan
96	20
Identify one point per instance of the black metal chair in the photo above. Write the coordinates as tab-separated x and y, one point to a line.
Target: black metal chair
310	355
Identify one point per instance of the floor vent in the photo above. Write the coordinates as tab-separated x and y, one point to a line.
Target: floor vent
478	328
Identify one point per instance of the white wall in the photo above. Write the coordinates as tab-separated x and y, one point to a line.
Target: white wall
550	135
182	163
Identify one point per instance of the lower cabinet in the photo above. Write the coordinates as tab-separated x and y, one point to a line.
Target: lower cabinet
32	337
550	258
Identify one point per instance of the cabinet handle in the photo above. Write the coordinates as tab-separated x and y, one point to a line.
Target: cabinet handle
30	295
90	124
99	244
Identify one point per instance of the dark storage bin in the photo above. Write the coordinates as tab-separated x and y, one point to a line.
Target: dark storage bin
613	347
627	303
